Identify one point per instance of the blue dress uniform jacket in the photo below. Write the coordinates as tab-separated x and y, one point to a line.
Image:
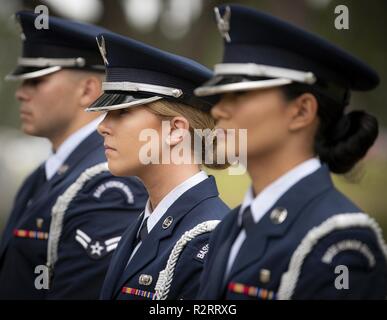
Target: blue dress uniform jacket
198	204
77	273
298	258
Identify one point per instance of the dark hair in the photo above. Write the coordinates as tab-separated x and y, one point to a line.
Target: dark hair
342	139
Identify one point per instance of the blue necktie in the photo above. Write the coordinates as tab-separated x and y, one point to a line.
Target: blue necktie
39	182
143	233
248	222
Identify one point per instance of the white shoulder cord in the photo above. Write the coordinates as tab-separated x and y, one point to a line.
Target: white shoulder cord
59	210
337	222
165	278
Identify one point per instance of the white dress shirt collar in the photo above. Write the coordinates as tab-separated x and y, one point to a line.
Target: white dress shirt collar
165	204
270	195
170	198
56	160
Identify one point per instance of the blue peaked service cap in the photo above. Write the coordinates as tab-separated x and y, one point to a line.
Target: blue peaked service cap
261	51
137	74
65	44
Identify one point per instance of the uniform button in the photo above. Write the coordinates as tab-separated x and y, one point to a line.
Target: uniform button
278	215
176	93
145	279
264	275
167	222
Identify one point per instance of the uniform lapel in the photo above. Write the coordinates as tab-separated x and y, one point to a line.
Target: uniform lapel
20	204
93	141
220	257
89	144
294	200
120	259
147	252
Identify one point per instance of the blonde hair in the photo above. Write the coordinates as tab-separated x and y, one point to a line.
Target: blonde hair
197	119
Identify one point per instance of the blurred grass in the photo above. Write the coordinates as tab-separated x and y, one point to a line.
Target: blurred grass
366	186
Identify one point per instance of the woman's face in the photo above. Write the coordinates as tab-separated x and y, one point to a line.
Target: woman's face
263	113
121	130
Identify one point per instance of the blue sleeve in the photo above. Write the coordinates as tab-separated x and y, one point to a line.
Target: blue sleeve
93	225
345	264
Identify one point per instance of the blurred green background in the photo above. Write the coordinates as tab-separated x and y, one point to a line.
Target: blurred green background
187	27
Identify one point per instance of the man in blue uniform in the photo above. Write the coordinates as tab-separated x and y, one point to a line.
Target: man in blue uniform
294	236
61	72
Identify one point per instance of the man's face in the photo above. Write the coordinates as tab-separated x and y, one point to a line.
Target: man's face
48	104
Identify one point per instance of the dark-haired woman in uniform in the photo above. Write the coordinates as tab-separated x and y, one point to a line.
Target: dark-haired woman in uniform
152	113
295	236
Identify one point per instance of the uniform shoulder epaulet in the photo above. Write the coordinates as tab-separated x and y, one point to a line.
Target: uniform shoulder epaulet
60	207
337	222
165	278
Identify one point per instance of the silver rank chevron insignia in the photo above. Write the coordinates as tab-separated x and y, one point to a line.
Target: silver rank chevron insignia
223	22
96	249
102	49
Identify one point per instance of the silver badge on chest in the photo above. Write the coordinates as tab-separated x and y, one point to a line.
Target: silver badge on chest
278	215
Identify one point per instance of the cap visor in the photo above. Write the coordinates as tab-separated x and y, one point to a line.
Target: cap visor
224	84
24	73
115	101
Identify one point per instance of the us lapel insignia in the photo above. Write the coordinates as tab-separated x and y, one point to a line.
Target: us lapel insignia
63	169
167	222
278	215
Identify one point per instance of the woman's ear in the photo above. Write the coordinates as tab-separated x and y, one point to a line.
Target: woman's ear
303	112
179	128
